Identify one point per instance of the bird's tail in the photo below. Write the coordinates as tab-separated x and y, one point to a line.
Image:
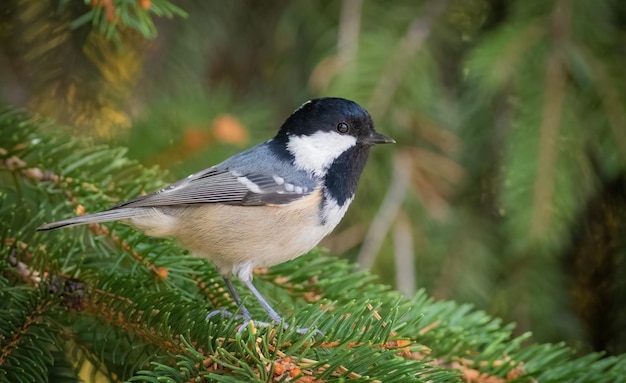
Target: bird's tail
105	216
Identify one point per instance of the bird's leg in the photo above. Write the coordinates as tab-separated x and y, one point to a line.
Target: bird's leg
245	314
235	295
274	316
270	311
246	278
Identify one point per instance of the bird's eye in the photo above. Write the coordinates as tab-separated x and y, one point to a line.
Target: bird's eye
343	128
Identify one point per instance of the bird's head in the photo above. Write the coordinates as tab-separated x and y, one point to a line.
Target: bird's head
323	129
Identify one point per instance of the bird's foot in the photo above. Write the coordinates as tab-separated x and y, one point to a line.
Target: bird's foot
306	330
299	330
228	314
247	319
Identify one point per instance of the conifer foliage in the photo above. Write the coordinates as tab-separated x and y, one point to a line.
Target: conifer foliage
508	189
134	307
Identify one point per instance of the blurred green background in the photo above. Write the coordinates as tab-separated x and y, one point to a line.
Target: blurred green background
507	188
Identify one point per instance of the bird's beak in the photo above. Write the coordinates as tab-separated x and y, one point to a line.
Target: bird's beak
377	138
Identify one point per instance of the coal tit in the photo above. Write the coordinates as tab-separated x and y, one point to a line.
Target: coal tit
265	205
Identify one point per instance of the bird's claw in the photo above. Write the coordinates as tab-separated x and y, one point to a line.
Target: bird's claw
299	330
228	314
305	330
247	319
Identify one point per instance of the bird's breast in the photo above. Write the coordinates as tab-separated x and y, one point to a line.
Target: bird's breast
261	235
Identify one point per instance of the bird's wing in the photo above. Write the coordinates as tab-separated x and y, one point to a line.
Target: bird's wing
215	185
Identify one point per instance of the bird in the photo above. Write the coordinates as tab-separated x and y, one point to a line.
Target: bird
265	205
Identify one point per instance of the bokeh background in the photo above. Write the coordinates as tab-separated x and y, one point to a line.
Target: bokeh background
506	189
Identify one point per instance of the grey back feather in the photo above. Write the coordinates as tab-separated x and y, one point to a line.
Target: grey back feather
253	177
248	178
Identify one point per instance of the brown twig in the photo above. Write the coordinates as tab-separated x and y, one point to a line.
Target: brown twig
398	64
387	212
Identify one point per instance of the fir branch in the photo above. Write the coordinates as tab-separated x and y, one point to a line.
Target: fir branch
136	327
396	68
109	16
555	87
611	99
34	315
26	337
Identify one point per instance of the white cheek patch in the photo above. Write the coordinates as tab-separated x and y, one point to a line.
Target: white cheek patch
317	152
